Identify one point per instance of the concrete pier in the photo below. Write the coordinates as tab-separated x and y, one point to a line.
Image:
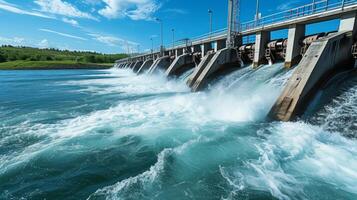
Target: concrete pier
223	59
261	40
180	64
220	44
318	65
293	49
178	52
145	66
205	48
137	66
160	64
198	70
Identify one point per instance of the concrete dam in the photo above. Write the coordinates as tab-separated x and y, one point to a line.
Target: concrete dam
314	59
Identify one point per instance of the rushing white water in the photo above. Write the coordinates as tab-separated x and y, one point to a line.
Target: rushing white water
147	137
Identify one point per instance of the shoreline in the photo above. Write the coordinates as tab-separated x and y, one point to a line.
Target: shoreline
50	65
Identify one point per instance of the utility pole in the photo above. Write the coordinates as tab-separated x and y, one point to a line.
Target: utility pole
161	35
152	44
173	38
343	4
257	14
210	13
233	11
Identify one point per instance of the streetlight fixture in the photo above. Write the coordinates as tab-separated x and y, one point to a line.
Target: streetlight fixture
152	44
162	35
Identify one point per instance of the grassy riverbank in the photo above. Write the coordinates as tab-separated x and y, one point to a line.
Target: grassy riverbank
47	65
21	58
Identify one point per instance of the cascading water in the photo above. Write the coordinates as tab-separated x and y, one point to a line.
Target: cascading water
113	135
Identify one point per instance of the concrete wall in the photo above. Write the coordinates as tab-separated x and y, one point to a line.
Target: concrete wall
145	66
261	39
179	64
205	48
319	63
295	34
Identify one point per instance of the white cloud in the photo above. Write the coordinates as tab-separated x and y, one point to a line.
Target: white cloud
288	5
113	41
63	34
16	41
60	7
43	44
70	21
14	9
134	9
175	10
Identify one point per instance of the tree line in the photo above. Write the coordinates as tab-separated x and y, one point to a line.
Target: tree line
12	53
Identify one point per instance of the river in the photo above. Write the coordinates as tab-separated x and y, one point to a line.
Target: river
109	134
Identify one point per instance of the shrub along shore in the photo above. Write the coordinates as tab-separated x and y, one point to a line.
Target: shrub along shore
26	58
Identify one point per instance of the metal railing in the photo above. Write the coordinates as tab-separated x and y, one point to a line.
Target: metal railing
302	11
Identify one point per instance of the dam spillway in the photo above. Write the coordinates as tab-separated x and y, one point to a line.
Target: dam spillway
216	52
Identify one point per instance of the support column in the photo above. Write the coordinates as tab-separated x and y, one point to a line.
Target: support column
348	23
196	48
296	33
220	44
261	39
179	52
205	48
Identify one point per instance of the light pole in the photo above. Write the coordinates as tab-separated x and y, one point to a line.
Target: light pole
161	35
257	14
210	13
173	38
152	44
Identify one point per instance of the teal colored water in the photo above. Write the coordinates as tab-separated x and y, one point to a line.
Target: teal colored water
110	134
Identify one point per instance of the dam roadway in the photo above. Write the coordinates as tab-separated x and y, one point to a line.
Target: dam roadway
317	58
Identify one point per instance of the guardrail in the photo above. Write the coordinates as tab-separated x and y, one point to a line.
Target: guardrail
302	11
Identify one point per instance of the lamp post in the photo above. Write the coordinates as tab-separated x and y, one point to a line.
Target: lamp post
257	14
152	44
210	13
343	4
173	38
161	35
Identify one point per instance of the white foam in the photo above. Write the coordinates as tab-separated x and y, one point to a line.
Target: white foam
305	151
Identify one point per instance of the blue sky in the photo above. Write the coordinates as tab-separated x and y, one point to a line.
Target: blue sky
111	26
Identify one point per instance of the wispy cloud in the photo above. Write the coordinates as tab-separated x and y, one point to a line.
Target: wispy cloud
62	34
43	44
134	9
15	9
12	41
288	5
70	21
175	10
113	41
59	7
20	41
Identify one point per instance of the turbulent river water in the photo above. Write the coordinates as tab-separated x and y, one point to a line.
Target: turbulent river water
109	134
